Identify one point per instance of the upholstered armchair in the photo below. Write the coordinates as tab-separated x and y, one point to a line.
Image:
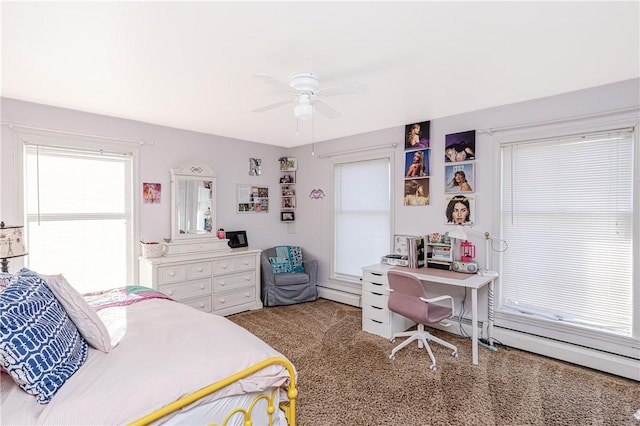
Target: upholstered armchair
292	283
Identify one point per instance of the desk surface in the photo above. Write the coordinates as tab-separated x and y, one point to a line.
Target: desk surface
466	280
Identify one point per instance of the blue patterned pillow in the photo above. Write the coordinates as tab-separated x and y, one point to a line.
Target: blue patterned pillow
279	265
292	255
40	346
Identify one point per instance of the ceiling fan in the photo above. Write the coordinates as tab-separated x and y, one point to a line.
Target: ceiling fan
304	90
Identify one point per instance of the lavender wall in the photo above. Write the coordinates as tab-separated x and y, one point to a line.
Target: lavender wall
230	157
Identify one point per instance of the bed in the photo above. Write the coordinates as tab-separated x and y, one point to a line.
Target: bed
162	363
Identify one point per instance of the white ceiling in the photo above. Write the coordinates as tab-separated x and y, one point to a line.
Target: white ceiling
191	65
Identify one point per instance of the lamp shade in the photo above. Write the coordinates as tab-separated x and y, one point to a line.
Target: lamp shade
457	233
11	241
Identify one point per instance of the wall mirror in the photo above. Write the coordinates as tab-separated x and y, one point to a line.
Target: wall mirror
193	198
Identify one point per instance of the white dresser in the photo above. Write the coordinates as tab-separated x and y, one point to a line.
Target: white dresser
376	316
223	283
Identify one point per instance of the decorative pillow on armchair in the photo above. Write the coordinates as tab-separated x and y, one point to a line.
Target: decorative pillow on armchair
288	259
40	347
279	265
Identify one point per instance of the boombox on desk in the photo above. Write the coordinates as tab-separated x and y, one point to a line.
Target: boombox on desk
466	267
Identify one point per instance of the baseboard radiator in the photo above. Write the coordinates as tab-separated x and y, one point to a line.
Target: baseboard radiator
339	296
568	352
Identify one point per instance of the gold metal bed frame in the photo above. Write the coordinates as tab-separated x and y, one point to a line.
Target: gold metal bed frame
289	407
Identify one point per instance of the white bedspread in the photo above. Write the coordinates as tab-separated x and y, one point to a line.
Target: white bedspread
169	351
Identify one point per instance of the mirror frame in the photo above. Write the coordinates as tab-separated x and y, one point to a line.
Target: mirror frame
192	171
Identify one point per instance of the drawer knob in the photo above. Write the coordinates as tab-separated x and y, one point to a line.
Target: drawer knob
222	301
224	266
199	269
247	295
172	274
201	305
247	278
201	286
170	292
222	283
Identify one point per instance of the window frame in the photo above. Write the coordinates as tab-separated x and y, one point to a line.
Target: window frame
341	280
621	345
81	143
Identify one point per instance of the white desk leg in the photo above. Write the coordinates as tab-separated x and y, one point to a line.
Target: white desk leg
490	314
474	325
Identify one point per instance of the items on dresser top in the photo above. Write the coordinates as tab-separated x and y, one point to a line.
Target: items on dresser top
237	239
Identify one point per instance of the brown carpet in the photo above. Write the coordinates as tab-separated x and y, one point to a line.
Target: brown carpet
346	377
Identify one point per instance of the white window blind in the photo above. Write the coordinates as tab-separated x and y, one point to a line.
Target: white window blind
79	215
567	213
362	215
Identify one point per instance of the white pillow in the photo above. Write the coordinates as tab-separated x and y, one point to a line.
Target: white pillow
83	316
115	319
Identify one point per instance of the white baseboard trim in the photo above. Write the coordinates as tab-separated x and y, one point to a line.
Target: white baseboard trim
339	296
568	352
591	358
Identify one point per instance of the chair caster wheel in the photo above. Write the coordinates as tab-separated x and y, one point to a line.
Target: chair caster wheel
454	354
392	357
392	340
433	367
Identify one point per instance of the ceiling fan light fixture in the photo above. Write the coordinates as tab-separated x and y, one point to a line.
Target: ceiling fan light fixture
304	109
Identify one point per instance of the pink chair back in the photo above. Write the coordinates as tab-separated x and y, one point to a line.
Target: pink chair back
404	299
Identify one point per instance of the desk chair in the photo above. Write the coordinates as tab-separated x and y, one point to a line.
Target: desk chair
407	297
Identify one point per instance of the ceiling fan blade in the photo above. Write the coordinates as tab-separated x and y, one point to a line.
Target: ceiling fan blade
325	109
343	89
272	106
270	80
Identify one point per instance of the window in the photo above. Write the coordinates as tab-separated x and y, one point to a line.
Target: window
567	214
79	216
362	215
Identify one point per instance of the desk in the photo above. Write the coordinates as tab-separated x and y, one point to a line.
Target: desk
377	319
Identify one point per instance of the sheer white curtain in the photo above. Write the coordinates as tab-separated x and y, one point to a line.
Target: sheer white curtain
79	218
362	214
567	213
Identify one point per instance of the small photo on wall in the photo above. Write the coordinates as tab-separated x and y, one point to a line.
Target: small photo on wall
151	193
460	146
460	209
459	177
416	192
416	163
417	135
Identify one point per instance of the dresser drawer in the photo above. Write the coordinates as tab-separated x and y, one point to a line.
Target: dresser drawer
375	287
378	313
375	277
201	303
244	263
234	281
171	274
379	299
198	270
233	264
233	299
185	290
376	327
